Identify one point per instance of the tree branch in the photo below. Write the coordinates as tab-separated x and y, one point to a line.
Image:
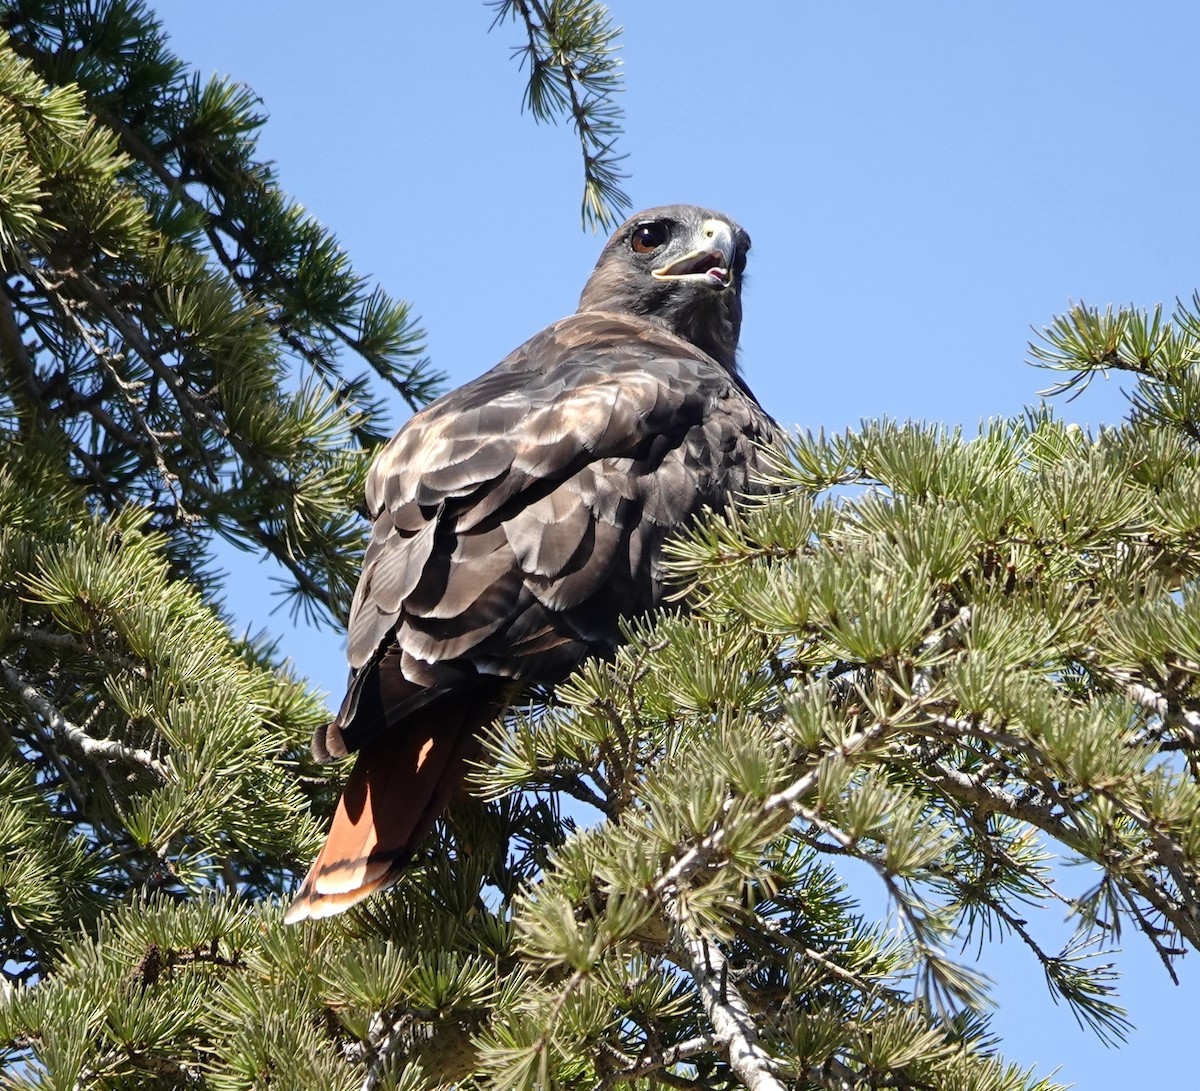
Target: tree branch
783	803
1153	701
79	740
205	416
655	1062
217	223
729	1016
1179	909
595	116
727	1011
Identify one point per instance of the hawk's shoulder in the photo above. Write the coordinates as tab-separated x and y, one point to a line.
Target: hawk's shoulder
588	386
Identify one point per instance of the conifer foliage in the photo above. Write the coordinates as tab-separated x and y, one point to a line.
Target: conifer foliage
179	347
949	659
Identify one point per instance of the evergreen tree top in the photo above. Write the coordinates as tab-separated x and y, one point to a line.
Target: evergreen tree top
947	659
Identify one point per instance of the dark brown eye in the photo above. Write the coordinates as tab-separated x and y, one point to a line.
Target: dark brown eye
649	237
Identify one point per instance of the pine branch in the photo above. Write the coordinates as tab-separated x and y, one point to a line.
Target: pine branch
653	1062
1090	1003
95	750
206	417
773	932
146	436
949	980
386	1039
573	70
1150	699
730	1016
149	355
1133	875
217	227
988	798
782	805
67	644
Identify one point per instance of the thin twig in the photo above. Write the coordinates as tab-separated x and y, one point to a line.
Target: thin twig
1181	910
655	1062
783	803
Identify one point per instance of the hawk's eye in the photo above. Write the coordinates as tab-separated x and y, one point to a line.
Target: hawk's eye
649	237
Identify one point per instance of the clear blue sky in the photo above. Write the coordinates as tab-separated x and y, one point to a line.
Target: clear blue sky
923	183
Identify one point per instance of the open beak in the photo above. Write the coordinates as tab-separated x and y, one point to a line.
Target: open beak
710	264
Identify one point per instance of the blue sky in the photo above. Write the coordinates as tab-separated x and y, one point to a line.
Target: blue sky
923	182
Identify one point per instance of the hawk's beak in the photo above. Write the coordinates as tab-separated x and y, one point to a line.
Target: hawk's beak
711	263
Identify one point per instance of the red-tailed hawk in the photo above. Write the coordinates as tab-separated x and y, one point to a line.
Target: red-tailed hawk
518	518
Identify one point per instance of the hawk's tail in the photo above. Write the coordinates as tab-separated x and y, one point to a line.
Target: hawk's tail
400	784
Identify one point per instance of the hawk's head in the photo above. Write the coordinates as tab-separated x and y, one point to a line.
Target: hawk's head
681	267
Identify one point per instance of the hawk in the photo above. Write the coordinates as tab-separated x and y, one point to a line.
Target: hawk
517	519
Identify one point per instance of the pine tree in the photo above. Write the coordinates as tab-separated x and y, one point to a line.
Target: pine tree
951	658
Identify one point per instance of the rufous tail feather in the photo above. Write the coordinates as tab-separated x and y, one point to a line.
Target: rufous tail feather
399	786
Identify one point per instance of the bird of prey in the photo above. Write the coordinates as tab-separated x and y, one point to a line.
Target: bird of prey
519	518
